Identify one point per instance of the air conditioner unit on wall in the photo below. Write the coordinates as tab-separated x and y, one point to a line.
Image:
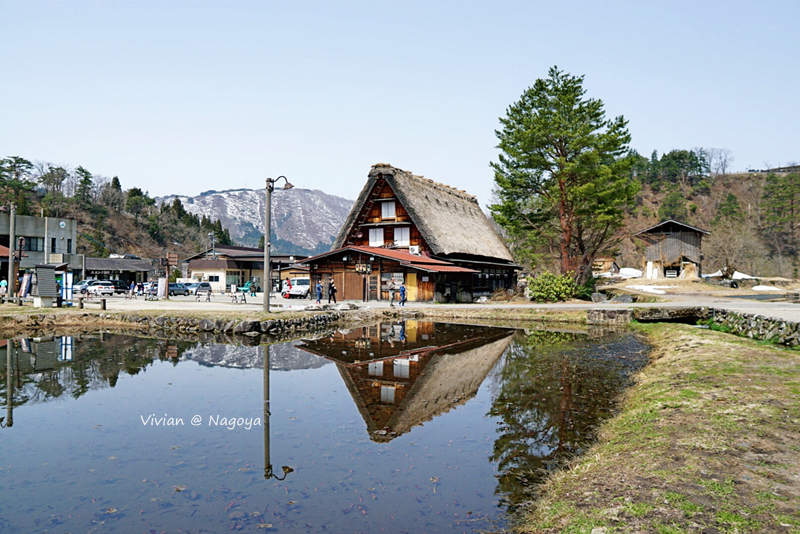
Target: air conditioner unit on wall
414	249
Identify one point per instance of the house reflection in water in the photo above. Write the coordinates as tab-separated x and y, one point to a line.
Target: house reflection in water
29	357
404	373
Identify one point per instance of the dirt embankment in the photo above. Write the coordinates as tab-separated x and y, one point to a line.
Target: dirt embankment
708	440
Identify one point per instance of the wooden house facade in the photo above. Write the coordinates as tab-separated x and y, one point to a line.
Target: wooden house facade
672	250
404	228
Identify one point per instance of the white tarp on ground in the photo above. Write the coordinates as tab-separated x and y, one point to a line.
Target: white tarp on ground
736	275
658	290
766	288
627	272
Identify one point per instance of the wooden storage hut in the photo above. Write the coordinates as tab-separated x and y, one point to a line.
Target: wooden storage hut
673	250
409	229
605	263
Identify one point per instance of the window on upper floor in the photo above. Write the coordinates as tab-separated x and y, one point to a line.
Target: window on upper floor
387	210
402	237
376	237
34	244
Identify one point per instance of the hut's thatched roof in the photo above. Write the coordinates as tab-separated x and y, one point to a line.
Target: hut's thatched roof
671	225
450	220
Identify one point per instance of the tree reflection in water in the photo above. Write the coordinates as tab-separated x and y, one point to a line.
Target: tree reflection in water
551	393
46	369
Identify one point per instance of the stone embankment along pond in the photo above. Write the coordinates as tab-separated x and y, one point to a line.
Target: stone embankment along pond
758	327
169	324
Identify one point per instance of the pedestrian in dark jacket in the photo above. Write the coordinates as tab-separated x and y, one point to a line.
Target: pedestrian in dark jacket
331	292
403	294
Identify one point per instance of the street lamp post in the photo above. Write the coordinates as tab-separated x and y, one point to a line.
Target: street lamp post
267	224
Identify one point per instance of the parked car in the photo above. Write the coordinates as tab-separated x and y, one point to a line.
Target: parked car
300	288
202	288
101	287
84	287
120	286
191	286
80	287
178	289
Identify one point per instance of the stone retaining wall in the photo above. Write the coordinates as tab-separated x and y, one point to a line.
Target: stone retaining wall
246	327
174	325
616	316
758	326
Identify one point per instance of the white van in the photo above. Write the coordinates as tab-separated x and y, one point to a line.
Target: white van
300	288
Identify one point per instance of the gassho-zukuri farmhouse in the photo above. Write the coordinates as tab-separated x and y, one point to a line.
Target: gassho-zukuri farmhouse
431	237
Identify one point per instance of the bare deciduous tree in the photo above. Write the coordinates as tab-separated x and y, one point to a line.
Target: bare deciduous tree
723	161
719	160
732	246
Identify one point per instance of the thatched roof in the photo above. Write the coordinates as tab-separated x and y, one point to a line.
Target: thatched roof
670	226
450	220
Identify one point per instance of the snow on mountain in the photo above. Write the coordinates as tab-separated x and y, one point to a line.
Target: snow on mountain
306	218
282	357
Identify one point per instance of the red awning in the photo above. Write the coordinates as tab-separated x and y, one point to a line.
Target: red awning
4	253
422	263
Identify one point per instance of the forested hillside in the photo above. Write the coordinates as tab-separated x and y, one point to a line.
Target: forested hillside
753	217
111	219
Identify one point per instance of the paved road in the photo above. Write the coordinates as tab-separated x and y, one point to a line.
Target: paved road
782	310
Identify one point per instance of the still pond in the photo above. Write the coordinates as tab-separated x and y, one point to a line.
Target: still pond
395	427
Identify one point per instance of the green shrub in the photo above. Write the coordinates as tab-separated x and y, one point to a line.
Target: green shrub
549	287
585	291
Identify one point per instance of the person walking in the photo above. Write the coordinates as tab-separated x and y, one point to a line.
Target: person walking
331	291
319	292
403	294
131	291
392	291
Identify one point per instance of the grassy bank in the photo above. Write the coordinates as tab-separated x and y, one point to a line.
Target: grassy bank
707	441
523	313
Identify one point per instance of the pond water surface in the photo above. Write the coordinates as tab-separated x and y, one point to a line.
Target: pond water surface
395	427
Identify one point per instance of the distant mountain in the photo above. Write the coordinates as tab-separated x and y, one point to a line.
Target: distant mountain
304	221
282	357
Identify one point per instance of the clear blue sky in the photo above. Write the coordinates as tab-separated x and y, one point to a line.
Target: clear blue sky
181	97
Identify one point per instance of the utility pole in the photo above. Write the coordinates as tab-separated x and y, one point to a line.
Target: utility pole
12	238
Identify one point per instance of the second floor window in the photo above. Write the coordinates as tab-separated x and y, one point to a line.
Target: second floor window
53	245
376	237
387	210
401	237
34	244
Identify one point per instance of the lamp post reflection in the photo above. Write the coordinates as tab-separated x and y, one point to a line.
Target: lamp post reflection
267	459
8	421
